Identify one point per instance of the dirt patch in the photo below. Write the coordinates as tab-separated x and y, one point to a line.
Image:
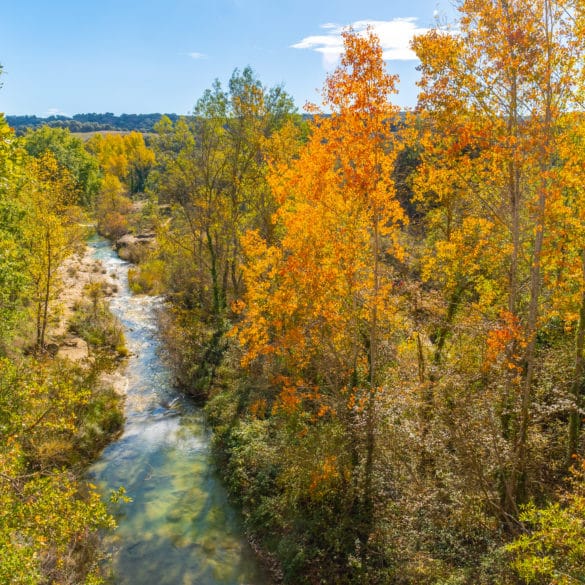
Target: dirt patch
78	271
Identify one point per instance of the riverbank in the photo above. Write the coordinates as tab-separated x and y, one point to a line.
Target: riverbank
78	273
59	408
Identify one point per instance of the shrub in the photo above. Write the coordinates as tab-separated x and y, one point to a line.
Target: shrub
147	278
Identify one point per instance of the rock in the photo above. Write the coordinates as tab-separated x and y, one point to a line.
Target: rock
52	349
134	247
134	239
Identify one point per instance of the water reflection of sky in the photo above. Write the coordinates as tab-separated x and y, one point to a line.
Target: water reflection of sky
179	529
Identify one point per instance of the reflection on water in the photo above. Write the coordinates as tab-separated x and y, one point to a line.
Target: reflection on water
179	528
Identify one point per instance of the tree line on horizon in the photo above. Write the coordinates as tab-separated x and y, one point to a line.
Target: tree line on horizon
90	122
108	122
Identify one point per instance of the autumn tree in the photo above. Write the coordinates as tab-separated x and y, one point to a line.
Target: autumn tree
211	172
124	156
125	162
113	208
319	302
13	259
493	97
49	234
564	272
141	161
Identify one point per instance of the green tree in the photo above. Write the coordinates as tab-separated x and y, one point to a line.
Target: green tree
212	173
69	151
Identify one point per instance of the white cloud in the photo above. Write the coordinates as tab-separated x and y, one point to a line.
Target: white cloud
196	55
395	36
55	112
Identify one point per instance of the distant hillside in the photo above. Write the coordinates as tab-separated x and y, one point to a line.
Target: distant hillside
90	122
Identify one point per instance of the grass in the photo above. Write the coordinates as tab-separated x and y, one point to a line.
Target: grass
147	278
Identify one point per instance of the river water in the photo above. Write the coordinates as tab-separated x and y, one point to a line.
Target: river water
179	528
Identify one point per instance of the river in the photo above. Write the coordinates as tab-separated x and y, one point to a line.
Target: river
179	528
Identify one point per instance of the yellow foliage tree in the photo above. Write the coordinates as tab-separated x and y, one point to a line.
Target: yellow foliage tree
49	233
125	156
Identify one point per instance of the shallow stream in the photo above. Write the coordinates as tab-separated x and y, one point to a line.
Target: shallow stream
179	528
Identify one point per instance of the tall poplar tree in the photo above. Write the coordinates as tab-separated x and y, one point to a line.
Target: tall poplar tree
493	97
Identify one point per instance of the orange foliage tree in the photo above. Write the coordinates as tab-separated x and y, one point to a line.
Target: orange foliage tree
319	307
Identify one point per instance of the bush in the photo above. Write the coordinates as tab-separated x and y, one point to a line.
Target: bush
93	322
148	278
113	225
49	518
552	552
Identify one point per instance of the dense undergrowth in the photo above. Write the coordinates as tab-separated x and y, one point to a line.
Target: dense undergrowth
55	418
93	321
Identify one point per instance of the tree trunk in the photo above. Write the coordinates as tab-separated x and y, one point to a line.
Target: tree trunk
519	471
215	287
368	501
577	387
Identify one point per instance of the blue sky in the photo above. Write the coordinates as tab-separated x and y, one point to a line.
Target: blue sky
143	56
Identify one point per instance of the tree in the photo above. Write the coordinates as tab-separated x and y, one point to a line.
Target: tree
564	273
124	156
141	161
12	255
213	174
212	169
69	151
494	96
319	302
48	233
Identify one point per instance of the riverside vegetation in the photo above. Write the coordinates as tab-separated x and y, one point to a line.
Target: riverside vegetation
56	413
384	314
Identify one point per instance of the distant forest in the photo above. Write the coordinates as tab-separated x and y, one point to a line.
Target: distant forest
90	122
98	122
